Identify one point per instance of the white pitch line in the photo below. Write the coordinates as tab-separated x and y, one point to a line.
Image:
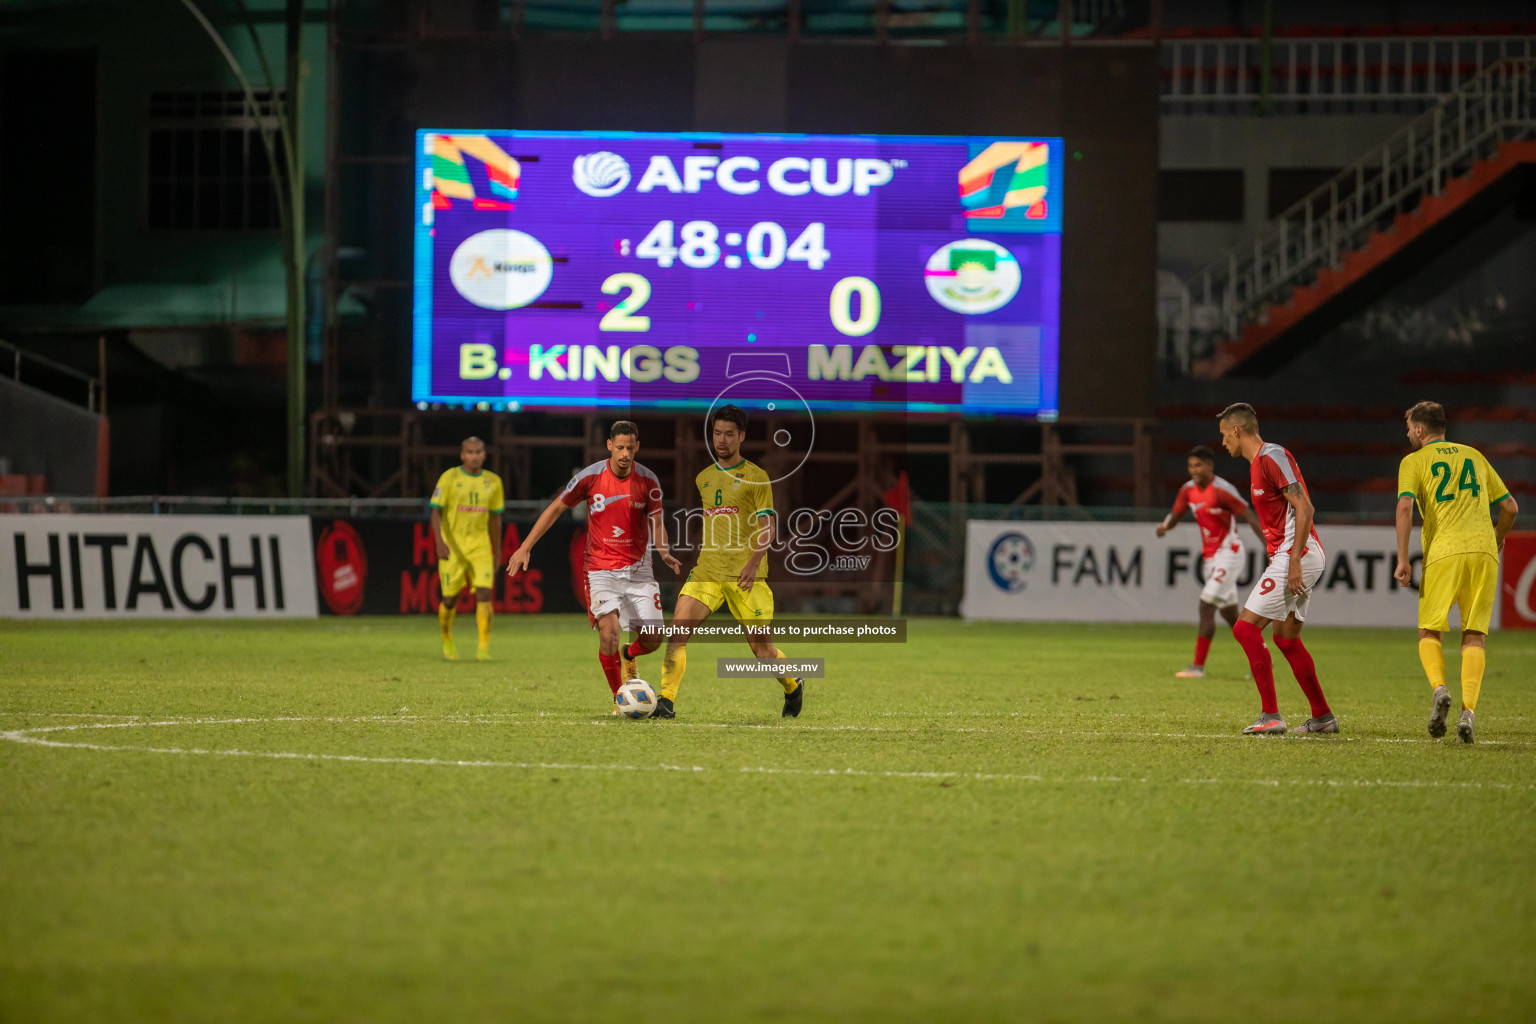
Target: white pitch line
552	718
1339	783
62	714
30	737
17	737
892	774
918	728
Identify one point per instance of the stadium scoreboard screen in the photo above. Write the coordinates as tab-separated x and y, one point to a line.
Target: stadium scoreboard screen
660	271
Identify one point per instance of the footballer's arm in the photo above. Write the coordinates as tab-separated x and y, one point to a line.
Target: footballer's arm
760	542
660	542
1404	571
493	524
1301	505
1170	520
1507	512
519	560
440	535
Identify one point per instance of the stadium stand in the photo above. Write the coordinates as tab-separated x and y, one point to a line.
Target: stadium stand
1353	451
1342	246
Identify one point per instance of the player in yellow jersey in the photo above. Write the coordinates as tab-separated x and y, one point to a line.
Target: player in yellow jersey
1453	485
466	524
739	518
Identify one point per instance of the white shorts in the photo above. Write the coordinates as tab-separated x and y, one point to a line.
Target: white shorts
1221	572
631	592
1273	600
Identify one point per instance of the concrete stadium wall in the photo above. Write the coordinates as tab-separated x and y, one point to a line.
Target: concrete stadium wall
1253	145
41	434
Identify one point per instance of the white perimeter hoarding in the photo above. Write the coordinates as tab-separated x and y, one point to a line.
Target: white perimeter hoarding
156	567
1123	572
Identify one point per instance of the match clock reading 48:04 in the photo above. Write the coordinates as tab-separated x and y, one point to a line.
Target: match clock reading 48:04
582	269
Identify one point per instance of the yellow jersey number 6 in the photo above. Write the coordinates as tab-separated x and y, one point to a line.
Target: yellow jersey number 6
622	316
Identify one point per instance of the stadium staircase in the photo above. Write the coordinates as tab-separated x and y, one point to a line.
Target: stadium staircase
1338	249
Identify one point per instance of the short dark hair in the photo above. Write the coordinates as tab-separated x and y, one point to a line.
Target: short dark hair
1242	412
1429	415
623	427
471	439
731	414
1202	453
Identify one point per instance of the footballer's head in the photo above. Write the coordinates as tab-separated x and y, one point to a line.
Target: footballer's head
472	454
1202	465
1426	423
727	429
1238	421
623	443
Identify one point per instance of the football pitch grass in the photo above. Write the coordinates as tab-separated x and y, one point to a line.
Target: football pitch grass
325	822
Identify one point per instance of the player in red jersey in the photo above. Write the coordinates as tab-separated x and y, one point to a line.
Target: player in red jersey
1296	563
1217	506
623	521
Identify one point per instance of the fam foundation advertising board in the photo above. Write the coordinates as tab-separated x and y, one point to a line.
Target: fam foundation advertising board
1123	572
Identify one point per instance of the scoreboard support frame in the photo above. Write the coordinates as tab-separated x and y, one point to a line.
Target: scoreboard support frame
380	453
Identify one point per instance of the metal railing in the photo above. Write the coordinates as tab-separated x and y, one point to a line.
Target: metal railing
881	20
1201	75
95	388
1444	142
199	505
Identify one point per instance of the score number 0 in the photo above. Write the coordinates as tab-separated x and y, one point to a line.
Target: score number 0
622	317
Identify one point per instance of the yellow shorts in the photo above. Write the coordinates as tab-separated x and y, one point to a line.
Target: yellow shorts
474	566
755	605
1468	581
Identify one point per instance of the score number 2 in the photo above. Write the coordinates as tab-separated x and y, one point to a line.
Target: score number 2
622	316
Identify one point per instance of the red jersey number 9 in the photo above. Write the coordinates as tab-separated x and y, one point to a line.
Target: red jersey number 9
1266	585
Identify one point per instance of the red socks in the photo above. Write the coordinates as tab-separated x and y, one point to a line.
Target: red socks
1202	648
1252	640
1306	673
634	650
610	663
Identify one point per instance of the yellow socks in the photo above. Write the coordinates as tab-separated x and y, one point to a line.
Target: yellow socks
787	682
445	620
1473	661
483	612
673	665
1432	657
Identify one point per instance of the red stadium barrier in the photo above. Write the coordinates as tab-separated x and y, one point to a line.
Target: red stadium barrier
1371	449
1517	589
1459	414
1443	31
1347	72
1502	378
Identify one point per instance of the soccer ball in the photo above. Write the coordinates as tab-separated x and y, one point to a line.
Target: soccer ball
635	699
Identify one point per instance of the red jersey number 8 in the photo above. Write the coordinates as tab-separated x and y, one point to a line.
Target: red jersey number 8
1266	585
